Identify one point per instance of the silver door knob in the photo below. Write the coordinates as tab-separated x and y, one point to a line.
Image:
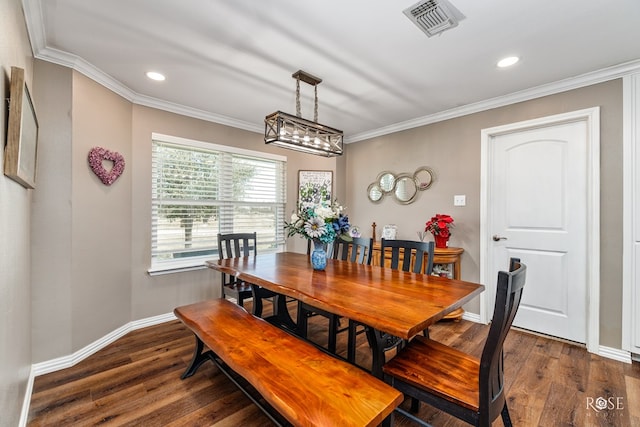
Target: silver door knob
497	238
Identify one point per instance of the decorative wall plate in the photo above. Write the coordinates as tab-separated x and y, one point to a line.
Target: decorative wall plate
403	187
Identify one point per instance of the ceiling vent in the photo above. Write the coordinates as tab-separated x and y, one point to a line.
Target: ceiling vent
433	16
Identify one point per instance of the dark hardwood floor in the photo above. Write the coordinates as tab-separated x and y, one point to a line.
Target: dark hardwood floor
136	382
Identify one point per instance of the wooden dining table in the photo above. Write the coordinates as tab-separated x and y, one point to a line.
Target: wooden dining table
388	301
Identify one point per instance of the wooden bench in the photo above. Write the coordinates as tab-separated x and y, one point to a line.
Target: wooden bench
302	385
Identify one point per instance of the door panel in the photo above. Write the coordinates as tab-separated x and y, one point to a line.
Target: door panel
538	202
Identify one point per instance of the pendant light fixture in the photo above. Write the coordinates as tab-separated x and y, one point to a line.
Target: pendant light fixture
296	133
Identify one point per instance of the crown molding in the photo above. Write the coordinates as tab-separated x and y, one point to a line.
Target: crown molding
583	80
197	114
80	65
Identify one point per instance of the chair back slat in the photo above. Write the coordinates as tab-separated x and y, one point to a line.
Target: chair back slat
236	245
413	255
508	295
358	249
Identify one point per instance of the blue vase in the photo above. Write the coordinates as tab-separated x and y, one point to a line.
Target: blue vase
318	256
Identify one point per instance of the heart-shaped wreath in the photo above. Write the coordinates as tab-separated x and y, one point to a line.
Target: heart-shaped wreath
97	155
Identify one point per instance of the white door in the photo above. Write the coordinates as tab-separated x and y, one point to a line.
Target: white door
537	209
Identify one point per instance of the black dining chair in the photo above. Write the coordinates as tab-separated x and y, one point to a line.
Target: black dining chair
236	245
416	251
455	382
359	250
406	255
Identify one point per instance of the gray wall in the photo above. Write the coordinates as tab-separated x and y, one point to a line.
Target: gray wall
452	149
15	232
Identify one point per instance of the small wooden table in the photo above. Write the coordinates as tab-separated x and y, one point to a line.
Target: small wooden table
390	301
449	256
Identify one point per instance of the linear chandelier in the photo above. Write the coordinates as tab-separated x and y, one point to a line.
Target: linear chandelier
296	133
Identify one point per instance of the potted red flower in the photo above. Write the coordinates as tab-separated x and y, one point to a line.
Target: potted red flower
440	226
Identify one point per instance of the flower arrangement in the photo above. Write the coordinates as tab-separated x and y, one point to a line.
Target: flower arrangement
322	222
440	225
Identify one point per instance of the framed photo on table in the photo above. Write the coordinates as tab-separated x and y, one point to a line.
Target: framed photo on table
315	186
21	151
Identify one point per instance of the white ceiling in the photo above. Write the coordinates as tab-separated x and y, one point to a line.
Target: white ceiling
231	61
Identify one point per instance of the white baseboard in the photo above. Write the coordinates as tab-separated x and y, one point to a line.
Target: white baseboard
70	360
615	354
608	352
24	414
472	317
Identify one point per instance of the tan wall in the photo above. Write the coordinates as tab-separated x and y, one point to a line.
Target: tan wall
52	215
100	236
15	232
452	149
101	214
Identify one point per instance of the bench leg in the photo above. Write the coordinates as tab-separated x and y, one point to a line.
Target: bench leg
198	358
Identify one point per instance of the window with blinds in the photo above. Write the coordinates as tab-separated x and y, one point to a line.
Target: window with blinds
201	189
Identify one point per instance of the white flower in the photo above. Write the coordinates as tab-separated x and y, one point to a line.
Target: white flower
314	227
324	212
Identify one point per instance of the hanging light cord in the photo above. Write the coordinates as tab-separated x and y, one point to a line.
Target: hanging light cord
298	114
315	104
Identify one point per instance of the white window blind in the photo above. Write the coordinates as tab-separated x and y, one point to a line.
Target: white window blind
201	189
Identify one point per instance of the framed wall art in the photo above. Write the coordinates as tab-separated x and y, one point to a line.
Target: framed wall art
314	186
21	151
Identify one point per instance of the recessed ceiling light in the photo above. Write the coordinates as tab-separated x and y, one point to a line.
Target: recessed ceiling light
155	76
508	61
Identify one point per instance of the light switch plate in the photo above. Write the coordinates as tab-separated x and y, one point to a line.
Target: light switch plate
459	200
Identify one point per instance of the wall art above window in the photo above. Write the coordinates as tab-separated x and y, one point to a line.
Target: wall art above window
315	186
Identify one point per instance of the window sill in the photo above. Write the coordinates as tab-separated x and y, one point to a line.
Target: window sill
191	264
178	266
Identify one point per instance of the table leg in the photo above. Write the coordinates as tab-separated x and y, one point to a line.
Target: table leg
302	320
380	343
281	316
377	341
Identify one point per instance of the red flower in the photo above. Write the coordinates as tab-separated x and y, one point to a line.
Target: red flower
439	225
